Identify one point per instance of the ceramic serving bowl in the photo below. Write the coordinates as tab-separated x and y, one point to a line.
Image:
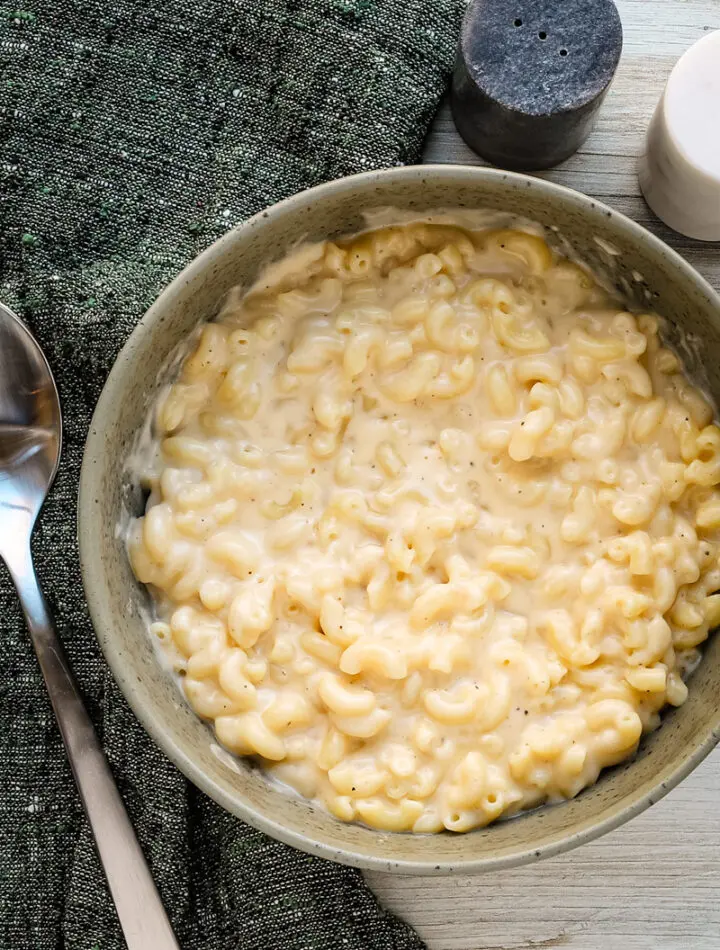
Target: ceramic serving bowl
640	264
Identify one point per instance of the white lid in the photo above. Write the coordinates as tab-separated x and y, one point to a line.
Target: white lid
692	105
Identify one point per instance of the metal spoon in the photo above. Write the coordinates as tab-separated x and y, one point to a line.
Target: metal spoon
30	446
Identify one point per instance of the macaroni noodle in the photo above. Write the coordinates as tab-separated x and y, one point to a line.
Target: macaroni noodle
435	526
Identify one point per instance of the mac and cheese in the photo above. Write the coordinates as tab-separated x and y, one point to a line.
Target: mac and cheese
434	528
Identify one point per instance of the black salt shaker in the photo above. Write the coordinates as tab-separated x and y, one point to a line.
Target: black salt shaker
530	77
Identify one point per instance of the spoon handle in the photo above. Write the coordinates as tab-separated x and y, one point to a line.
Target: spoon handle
142	916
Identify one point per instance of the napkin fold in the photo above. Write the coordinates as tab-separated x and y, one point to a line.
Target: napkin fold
132	135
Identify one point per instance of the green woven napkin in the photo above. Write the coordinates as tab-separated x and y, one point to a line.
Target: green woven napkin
132	134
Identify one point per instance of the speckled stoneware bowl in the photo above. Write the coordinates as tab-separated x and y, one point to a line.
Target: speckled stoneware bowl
639	262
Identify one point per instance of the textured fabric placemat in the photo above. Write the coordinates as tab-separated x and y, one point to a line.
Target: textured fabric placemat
132	134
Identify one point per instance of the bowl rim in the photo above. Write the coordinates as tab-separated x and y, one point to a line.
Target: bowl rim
101	613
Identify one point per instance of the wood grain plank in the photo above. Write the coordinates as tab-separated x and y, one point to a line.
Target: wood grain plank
655	883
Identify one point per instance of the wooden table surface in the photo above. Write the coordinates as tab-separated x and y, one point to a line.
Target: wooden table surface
655	883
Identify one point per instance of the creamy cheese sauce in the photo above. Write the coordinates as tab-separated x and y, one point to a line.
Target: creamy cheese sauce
433	525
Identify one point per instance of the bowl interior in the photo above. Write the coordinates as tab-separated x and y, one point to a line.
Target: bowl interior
639	264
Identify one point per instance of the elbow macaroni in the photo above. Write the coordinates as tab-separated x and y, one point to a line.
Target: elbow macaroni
432	543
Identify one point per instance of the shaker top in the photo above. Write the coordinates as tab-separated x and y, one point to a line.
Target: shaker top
531	74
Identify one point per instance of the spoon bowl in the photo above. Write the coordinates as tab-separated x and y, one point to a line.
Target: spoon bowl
30	428
30	448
